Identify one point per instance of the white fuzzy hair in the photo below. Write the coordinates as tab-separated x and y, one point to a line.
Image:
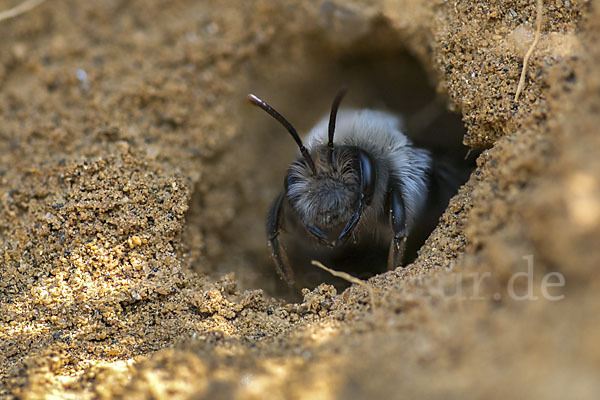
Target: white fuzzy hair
380	134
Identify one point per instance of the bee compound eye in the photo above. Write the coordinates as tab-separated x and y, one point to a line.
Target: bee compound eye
367	176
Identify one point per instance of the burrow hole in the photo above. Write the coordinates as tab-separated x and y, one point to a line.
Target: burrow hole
225	226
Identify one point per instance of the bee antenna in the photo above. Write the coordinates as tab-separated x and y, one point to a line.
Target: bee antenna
271	111
332	118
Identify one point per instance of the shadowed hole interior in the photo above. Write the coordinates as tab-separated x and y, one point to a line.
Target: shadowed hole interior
226	222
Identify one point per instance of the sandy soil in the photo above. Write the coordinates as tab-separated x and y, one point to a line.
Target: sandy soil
134	178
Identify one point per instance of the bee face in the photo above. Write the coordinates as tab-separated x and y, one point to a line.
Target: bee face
329	198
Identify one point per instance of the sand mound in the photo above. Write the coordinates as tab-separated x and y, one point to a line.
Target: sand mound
134	178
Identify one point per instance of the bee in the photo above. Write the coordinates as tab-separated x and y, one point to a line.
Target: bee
359	190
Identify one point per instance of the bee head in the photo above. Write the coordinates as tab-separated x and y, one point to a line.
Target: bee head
329	186
328	198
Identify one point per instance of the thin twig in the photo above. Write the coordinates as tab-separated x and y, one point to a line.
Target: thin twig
538	32
20	9
350	279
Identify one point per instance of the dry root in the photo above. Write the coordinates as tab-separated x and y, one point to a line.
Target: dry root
538	32
350	279
20	9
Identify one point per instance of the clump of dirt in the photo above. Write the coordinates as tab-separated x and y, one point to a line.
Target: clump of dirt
134	178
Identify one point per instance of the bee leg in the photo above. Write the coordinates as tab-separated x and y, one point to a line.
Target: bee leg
277	251
399	229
